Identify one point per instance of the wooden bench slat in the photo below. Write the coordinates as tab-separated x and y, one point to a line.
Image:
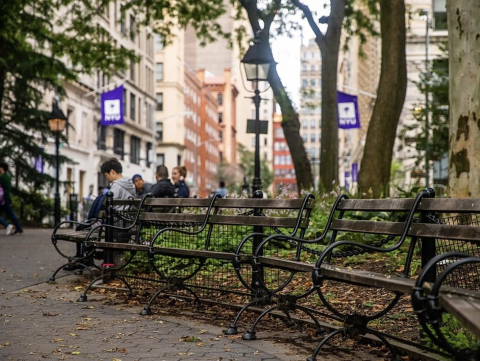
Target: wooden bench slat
451	205
465	309
386	228
168	250
367	278
172	217
178	202
443	231
376	205
286	222
262	203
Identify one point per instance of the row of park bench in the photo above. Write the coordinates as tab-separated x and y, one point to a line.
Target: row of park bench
264	253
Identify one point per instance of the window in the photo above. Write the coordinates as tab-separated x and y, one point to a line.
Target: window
312	152
304	137
312	137
265	141
220	117
313	55
304	83
159	43
179	159
134	150
220	135
276	146
123	25
132	106
276	160
220	98
132	28
70	120
265	155
125	101
159	72
312	68
102	138
132	71
160	132
312	82
149	155
160	159
279	133
439	15
304	124
312	123
304	67
159	102
118	142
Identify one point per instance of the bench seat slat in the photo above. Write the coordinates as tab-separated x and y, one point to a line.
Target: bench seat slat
168	251
376	205
255	221
450	205
465	309
178	202
367	278
386	228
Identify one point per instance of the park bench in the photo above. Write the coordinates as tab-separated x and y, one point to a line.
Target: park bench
69	236
192	251
411	223
450	282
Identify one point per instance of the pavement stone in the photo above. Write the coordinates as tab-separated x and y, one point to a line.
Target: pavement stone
41	321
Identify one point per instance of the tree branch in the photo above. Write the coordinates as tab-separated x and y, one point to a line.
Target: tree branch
319	37
251	7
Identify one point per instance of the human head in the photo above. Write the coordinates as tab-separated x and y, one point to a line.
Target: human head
138	181
222	184
162	172
100	190
3	167
179	173
112	169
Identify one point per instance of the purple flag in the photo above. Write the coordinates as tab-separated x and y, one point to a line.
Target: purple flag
111	104
347	179
348	117
355	172
39	164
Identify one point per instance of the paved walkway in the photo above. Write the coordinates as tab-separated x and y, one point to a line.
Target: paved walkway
41	321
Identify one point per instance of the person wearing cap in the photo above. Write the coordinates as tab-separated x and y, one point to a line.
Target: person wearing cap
141	187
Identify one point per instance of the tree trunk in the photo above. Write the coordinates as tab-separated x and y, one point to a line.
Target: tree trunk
464	63
374	176
329	137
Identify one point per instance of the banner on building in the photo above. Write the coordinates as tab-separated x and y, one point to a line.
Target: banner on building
347	179
111	104
355	172
39	164
348	117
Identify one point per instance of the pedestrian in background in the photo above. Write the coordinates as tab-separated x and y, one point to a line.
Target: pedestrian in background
163	188
141	186
178	177
222	191
122	187
6	207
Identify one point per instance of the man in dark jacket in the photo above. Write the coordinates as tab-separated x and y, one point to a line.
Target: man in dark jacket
163	188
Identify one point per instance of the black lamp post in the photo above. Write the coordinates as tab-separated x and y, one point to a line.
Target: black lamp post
56	123
257	61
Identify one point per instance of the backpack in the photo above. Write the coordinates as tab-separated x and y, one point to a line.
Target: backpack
2	196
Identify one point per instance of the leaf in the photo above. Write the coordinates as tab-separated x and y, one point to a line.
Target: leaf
76	353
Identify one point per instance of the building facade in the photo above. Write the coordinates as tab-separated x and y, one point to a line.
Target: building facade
283	168
89	143
310	104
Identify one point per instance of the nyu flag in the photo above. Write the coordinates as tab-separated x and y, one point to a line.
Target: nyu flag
39	164
355	172
111	104
348	111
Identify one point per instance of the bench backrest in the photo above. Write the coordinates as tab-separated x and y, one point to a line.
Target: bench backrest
440	225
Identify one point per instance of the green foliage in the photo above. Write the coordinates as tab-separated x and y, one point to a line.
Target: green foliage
435	83
456	335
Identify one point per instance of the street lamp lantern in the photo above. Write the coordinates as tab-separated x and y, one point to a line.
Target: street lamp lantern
258	61
57	122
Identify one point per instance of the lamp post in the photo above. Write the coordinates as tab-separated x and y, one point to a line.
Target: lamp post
257	61
56	123
424	14
195	162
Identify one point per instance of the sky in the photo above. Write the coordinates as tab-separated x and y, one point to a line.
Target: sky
286	52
